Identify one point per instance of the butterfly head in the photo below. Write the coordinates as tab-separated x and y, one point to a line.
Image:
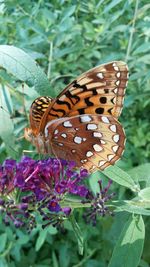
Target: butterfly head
38	140
28	134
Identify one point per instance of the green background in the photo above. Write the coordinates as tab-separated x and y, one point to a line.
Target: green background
67	38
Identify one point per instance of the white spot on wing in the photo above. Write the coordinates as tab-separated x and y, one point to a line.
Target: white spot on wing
117	82
113	128
83	160
115	90
100	75
118	74
101	163
116	138
115	148
73	150
97	148
46	128
86	118
110	157
60	144
115	66
97	134
92	126
63	135
77	140
89	154
105	119
56	131
103	142
67	124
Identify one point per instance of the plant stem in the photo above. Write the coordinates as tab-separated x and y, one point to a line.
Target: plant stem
132	31
74	204
50	60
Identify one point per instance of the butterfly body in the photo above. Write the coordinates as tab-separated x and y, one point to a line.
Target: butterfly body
81	124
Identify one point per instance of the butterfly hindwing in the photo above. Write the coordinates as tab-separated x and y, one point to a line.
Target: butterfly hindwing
92	141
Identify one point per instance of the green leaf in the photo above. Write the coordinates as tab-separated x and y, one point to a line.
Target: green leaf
111	5
133	206
128	250
142	48
3	263
41	238
68	12
120	177
145	193
6	123
140	173
24	68
78	234
3	240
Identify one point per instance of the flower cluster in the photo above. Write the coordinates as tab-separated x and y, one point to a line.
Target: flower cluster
44	186
98	206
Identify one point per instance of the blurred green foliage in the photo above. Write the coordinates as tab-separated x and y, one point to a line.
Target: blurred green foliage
67	38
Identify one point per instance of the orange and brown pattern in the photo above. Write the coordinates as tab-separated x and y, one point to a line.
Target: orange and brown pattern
94	98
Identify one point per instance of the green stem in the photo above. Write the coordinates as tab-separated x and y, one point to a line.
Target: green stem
132	31
50	60
74	203
86	258
61	77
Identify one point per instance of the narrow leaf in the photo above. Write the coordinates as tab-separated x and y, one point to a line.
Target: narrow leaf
3	239
133	206
111	5
78	234
41	238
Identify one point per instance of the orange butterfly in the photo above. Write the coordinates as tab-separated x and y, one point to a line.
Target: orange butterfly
81	123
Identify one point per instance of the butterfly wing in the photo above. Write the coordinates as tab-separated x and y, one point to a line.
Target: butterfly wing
92	141
38	111
100	90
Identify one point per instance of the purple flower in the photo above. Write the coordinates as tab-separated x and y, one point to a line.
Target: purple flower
98	204
7	171
45	186
45	183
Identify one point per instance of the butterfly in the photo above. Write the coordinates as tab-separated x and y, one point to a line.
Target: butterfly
81	123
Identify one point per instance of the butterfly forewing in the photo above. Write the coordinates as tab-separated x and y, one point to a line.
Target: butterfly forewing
98	91
92	141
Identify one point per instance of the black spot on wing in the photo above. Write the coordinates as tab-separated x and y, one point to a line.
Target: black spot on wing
76	85
88	102
99	110
106	91
58	111
110	111
103	100
81	111
59	102
73	98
